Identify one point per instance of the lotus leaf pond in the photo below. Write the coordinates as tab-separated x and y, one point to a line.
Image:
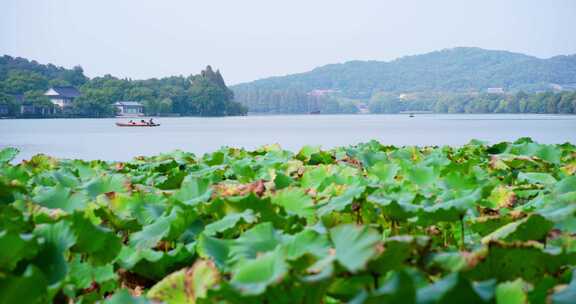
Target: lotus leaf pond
370	223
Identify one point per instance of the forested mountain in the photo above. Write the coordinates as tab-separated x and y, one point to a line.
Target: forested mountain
451	70
521	102
205	94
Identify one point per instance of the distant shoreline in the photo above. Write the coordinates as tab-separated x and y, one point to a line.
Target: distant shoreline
416	115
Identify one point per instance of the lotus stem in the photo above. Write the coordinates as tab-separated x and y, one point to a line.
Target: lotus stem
462	247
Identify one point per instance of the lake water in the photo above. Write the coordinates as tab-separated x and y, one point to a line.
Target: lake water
101	139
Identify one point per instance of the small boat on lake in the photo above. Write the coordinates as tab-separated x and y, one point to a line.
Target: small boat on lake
137	124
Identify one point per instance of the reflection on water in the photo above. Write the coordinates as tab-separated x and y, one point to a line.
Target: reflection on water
101	139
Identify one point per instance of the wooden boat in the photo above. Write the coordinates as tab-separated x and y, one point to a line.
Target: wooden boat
136	124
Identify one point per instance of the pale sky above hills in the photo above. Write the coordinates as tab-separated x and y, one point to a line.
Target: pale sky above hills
252	39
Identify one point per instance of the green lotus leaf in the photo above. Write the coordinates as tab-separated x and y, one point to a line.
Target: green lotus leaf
105	184
449	211
559	210
145	207
171	180
448	261
185	225
8	154
306	152
124	297
100	243
460	180
229	221
385	172
397	250
243	170
507	262
317	177
501	197
215	158
216	249
549	153
224	292
342	201
58	197
12	220
282	181
194	190
421	175
151	234
8	191
537	178
511	293
355	245
295	201
259	239
486	290
534	227
186	285
398	288
66	178
370	158
392	209
31	287
307	242
566	295
313	155
85	171
16	247
205	276
16	174
345	289
51	259
320	271
322	157
83	274
484	225
155	264
348	175
262	206
566	185
253	276
453	288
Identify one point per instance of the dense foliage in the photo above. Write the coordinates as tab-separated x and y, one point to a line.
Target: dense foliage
361	224
547	102
205	94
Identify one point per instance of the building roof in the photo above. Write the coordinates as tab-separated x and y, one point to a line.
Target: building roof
69	92
128	103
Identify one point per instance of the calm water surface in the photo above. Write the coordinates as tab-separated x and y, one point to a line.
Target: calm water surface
101	139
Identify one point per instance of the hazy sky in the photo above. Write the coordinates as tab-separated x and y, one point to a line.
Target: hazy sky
251	39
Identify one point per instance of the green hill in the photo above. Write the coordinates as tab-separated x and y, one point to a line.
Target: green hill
460	69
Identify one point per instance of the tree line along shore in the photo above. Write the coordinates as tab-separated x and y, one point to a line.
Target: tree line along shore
31	89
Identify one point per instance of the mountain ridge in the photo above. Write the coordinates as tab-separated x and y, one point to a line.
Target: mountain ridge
452	69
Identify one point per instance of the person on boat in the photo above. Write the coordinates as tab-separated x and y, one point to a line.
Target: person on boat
132	122
151	122
143	122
